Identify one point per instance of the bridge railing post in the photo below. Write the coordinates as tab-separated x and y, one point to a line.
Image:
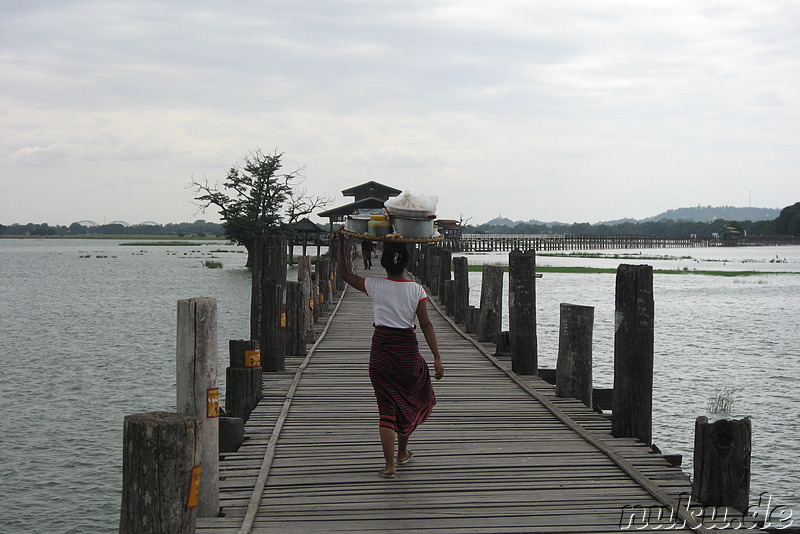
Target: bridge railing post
633	353
722	462
162	462
198	390
491	309
522	312
267	312
461	291
574	364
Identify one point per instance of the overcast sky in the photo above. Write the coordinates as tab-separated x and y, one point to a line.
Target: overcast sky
573	111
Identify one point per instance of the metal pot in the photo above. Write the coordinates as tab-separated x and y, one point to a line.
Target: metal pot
357	224
413	227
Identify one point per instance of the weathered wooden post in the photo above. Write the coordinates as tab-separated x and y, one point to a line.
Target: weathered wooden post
427	263
198	390
304	277
574	364
322	270
435	262
522	312
267	313
295	329
473	316
316	307
243	378
413	260
633	353
161	470
449	300
445	260
491	314
722	462
461	291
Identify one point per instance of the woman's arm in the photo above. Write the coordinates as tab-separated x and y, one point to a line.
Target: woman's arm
344	267
430	338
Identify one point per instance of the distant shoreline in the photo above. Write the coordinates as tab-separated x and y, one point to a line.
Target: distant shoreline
598	270
121	237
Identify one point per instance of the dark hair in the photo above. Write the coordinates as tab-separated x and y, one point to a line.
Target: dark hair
394	258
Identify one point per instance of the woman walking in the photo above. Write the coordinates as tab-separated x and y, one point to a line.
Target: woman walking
398	372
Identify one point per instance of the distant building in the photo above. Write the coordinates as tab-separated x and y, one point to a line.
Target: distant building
449	228
368	196
730	236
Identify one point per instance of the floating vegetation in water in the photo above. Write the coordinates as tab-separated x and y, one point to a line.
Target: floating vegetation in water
722	402
213	264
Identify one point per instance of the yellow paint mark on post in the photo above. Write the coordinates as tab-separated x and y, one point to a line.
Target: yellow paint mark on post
283	320
252	358
194	487
212	402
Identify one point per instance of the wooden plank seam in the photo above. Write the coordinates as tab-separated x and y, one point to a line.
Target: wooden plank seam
269	456
631	470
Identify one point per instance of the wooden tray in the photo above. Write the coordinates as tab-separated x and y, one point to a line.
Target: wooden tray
392	238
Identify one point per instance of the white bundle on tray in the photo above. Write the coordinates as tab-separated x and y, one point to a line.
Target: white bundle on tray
412	215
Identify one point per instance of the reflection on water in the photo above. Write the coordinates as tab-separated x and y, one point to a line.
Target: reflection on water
89	337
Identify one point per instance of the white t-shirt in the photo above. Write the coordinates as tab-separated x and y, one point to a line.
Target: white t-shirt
394	302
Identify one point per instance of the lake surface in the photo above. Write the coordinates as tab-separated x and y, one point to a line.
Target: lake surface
88	330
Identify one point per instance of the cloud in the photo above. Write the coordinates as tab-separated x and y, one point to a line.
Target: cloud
579	111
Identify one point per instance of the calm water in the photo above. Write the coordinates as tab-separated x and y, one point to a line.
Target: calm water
88	331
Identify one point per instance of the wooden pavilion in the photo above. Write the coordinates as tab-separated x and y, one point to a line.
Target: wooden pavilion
368	196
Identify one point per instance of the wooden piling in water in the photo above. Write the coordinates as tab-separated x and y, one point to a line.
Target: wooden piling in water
461	289
268	300
243	378
443	272
198	390
722	462
449	297
523	343
574	364
322	270
491	309
633	353
304	277
161	469
296	301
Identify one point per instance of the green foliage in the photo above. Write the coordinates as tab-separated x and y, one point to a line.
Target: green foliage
257	199
196	228
788	222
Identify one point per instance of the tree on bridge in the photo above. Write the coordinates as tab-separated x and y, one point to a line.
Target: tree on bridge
257	199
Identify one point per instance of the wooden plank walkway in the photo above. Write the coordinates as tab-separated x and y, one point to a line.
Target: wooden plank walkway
497	455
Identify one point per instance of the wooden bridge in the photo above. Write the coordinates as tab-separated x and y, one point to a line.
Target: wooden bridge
559	242
500	452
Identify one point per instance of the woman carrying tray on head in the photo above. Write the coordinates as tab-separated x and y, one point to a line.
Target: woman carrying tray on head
397	370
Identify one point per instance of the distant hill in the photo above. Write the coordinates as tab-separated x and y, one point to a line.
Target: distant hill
698	214
502	221
708	214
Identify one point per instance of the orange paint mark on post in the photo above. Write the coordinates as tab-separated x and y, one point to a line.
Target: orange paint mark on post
252	358
194	487
212	402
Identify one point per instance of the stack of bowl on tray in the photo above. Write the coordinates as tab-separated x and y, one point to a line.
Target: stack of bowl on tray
407	216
